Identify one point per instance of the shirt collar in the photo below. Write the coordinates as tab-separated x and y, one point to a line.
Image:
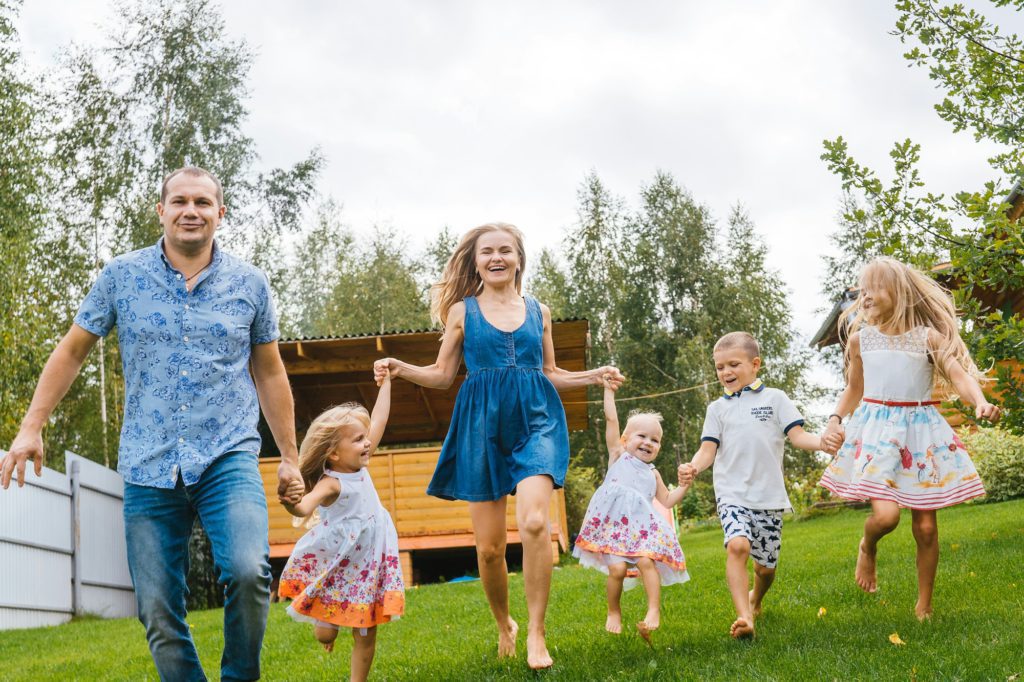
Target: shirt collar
756	386
214	261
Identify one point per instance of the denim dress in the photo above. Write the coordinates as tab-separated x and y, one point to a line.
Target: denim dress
508	422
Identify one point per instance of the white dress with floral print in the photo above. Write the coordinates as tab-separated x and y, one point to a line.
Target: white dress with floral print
622	525
345	570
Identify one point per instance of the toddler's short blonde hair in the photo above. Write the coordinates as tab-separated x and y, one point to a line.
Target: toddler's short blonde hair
641	414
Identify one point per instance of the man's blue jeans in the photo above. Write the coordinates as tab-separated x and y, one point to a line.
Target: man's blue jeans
230	503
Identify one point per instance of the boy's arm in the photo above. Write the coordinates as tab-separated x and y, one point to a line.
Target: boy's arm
704	458
666	497
803	440
611	418
324	492
381	411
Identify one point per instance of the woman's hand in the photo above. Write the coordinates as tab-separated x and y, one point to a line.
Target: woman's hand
385	368
609	376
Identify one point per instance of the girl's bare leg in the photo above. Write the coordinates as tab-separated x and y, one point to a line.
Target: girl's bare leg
613	586
326	635
363	648
652	586
884	518
737	552
926	533
533	498
490	534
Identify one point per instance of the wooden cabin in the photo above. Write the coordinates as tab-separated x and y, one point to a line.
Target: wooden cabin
1008	301
329	371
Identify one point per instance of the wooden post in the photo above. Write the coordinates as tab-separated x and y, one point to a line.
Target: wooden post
405	560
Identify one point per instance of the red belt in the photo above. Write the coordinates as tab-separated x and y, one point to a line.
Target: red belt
897	403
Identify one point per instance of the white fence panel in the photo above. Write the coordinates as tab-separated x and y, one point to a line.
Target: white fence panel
62	547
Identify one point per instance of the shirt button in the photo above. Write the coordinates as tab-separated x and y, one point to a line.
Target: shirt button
186	307
177	277
185	339
184	372
184	407
181	440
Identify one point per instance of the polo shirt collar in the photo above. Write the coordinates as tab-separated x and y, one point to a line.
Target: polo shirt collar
755	386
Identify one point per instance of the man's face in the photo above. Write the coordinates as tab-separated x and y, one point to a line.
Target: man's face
191	213
735	368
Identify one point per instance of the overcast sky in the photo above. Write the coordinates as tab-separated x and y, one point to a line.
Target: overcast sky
461	112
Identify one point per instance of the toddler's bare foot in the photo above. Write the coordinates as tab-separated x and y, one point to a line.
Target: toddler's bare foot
325	636
742	628
755	608
865	571
507	639
923	613
614	623
537	656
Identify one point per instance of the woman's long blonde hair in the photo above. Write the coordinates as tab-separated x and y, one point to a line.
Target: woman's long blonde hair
917	301
460	278
324	435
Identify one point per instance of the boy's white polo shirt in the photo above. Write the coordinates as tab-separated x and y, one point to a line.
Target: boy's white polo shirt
750	429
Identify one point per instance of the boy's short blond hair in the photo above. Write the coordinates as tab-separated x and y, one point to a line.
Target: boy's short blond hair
743	340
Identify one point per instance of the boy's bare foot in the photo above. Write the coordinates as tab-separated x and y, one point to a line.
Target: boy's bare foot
507	639
325	636
537	656
742	628
865	571
755	609
645	631
923	613
614	623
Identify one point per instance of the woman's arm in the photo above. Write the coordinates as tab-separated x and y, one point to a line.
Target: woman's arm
563	379
966	386
611	428
379	416
851	395
668	498
442	373
325	492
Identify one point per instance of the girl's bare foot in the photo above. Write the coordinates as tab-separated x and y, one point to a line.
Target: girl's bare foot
614	623
865	571
755	609
326	636
537	656
507	639
923	613
742	628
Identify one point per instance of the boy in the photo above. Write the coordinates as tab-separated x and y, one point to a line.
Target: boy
743	437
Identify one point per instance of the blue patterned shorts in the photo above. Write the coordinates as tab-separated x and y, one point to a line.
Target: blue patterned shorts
762	527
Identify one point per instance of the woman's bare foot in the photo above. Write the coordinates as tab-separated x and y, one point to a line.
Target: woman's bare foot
326	636
755	609
614	623
742	628
507	639
923	613
537	656
865	571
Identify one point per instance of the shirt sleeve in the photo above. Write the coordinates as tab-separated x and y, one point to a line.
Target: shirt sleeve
787	414
264	327
98	312
712	430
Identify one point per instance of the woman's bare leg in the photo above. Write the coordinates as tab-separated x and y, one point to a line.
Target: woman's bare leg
490	533
533	498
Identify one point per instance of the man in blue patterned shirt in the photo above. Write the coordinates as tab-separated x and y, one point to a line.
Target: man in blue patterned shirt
198	337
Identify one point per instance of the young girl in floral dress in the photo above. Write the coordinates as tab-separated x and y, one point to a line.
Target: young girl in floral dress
621	525
345	571
898	450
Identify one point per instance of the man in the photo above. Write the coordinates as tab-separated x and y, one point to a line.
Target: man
192	321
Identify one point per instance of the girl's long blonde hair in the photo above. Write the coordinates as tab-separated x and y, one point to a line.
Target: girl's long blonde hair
324	435
917	301
460	278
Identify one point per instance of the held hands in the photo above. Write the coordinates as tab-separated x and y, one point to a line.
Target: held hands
686	475
26	446
609	376
832	437
984	410
289	479
294	493
384	369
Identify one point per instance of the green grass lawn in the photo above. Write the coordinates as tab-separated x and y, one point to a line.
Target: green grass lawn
976	633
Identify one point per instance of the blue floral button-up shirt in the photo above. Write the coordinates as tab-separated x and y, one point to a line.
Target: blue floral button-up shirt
189	396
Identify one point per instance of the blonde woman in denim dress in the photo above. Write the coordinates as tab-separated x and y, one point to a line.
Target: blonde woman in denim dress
508	433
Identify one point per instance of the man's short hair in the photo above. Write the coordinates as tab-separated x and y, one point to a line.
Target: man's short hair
192	170
741	340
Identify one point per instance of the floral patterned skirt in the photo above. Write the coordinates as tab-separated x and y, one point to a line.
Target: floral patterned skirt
621	525
907	455
346	573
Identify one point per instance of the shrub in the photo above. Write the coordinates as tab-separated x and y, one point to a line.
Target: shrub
580	484
999	457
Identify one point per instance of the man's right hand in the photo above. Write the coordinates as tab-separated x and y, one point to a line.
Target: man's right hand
26	446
